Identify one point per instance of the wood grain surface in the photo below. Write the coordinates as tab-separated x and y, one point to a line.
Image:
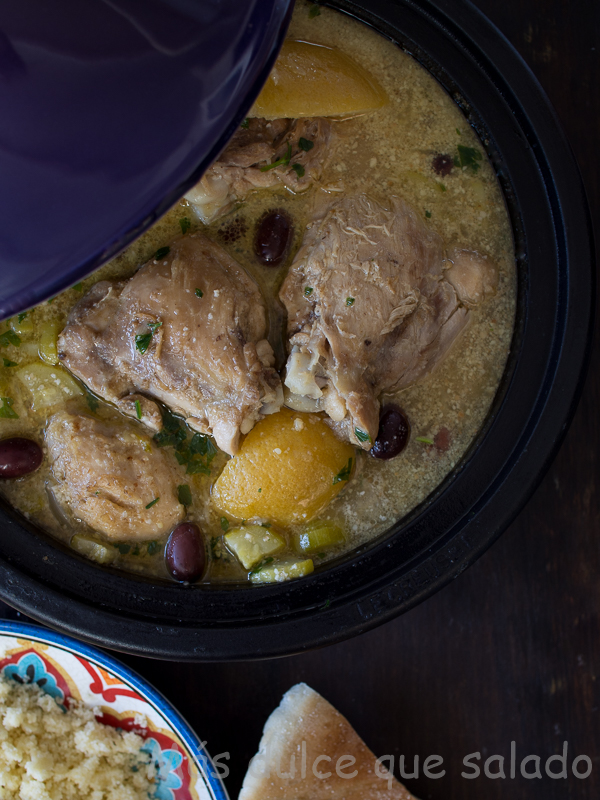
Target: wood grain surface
511	650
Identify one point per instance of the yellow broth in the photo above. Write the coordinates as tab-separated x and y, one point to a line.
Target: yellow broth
386	152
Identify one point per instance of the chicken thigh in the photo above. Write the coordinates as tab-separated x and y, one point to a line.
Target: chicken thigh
188	330
262	154
112	477
372	306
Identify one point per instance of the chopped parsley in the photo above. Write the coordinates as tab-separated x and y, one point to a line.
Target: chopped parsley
423	440
281	162
91	401
467	158
344	473
9	363
152	548
321	555
142	340
161	253
245	124
215	548
78	287
196	454
260	490
153	503
265	562
9	337
184	494
315	11
299	170
199	293
349	301
459	133
428	214
123	548
362	436
138	409
442	187
305	144
224	524
326	606
185	224
22	316
7	411
308	291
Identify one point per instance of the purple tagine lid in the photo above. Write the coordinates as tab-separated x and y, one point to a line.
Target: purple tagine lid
110	111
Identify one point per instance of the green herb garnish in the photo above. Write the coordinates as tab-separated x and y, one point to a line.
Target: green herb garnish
196	455
224	524
152	548
315	11
9	337
153	503
262	564
260	490
321	555
423	440
327	604
184	494
308	291
284	161
138	409
349	301
7	411
305	144
22	316
362	436
161	253
214	547
199	293
467	158
299	170
428	214
344	473
9	363
78	287
185	224
91	401
123	548
459	133
142	340
245	124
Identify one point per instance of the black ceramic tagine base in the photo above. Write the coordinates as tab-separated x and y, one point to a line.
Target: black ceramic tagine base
543	191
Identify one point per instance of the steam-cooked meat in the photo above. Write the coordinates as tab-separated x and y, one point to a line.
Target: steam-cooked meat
108	473
244	164
187	330
372	307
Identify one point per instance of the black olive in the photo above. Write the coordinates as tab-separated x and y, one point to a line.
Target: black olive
273	237
442	164
393	433
19	457
185	555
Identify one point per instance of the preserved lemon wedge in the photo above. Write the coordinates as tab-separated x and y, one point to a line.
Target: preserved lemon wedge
310	80
289	467
318	536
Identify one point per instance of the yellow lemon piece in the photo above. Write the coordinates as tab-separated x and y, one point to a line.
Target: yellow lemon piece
289	467
310	80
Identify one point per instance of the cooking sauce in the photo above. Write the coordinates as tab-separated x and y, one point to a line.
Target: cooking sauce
420	147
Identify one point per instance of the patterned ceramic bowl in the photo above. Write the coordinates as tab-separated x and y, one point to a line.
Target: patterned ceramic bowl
66	668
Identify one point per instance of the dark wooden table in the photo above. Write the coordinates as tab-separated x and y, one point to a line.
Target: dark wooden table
511	650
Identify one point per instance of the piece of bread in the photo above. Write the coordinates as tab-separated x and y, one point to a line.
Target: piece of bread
306	739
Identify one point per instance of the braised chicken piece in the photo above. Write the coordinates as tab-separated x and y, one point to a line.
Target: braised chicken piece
188	330
112	477
372	306
262	154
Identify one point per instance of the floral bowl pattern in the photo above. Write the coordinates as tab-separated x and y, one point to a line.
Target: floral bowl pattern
69	670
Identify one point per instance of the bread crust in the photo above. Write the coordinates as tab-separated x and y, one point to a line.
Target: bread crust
309	751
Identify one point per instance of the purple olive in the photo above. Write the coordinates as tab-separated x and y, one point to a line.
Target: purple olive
393	433
273	237
185	554
19	457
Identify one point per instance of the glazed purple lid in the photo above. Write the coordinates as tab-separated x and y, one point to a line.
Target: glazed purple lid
109	111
